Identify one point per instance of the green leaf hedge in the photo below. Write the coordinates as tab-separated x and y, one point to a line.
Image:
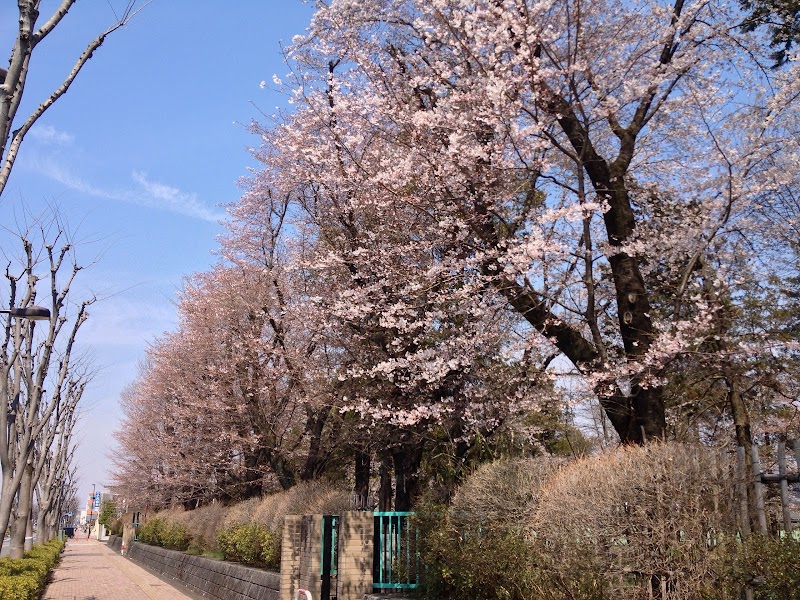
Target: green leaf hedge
24	578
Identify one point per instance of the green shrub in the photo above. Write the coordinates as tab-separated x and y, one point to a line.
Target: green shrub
250	544
639	519
769	566
152	532
460	565
24	578
637	523
490	563
492	567
477	547
20	587
159	532
107	513
176	537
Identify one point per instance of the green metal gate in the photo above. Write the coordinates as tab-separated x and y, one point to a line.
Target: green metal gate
136	524
395	560
330	557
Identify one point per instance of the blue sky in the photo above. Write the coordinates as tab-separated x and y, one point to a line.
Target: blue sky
138	156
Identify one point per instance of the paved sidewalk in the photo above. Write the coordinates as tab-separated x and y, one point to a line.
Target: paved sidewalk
89	570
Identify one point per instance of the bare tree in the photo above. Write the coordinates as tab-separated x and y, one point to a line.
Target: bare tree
55	452
12	81
31	361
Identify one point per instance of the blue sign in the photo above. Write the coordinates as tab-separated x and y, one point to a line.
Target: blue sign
97	500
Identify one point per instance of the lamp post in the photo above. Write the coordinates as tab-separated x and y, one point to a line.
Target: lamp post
36	313
32	313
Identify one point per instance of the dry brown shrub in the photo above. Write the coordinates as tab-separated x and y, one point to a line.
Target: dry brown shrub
240	513
204	523
641	519
307	498
502	494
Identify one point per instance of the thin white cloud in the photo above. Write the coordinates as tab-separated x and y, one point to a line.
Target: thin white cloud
175	200
47	134
126	322
62	175
142	192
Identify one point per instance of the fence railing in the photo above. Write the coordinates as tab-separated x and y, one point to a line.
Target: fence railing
395	559
753	480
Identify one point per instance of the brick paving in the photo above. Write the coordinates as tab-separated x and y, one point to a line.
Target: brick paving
89	570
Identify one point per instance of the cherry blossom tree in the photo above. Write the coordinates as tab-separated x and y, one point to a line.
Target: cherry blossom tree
416	359
577	162
158	460
237	379
469	201
276	377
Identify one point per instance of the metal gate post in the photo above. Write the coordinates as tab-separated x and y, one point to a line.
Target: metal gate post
328	536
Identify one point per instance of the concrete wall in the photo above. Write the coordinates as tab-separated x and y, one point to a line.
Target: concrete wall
211	578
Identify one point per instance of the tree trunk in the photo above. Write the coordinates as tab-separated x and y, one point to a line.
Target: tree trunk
642	415
385	489
318	455
42	520
29	530
283	471
253	483
406	471
50	527
6	502
741	417
744	436
362	473
23	514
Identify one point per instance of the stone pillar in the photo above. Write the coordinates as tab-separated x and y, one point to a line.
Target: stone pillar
356	541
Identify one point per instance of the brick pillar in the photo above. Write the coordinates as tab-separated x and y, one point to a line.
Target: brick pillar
355	555
128	533
290	557
311	554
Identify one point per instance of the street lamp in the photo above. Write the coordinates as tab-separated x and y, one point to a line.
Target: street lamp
36	313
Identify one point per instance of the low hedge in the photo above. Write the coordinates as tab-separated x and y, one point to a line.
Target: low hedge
250	544
160	532
24	578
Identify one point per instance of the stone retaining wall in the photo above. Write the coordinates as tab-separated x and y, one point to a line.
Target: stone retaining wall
115	543
206	576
